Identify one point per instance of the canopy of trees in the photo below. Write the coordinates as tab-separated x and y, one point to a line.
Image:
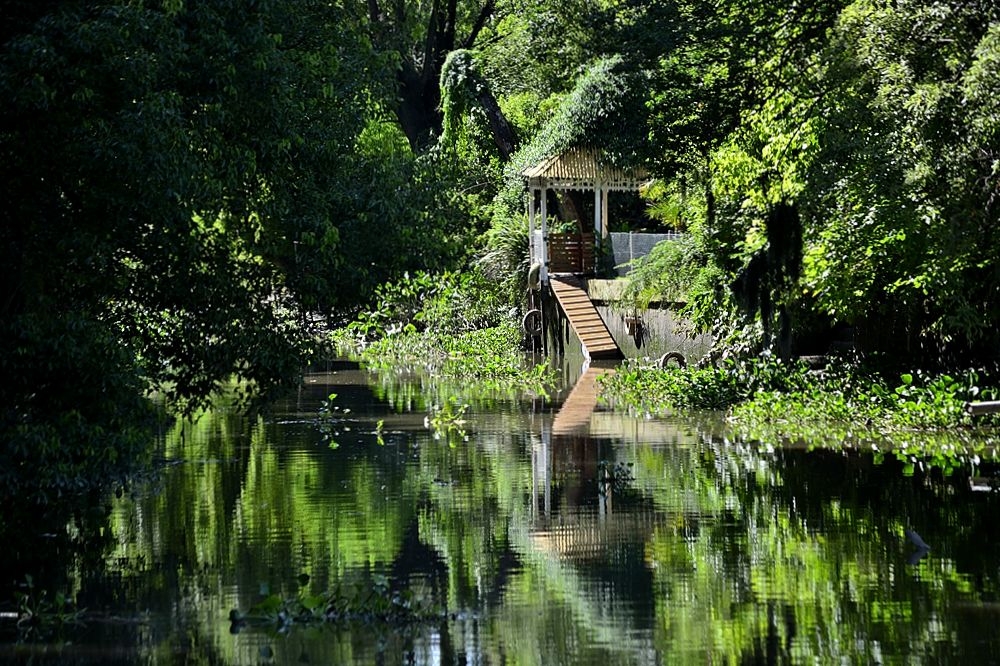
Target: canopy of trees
182	184
186	186
871	125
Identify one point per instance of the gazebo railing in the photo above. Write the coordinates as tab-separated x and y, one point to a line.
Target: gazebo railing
571	253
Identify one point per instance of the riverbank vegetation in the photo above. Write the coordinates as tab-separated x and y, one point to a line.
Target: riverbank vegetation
452	325
844	403
200	191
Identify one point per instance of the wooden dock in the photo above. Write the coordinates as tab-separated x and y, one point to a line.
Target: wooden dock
584	318
573	418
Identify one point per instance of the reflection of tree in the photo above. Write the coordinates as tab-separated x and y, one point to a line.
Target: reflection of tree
712	550
472	494
249	508
797	556
418	392
54	544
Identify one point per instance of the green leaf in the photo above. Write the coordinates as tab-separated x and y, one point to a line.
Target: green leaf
312	602
269	606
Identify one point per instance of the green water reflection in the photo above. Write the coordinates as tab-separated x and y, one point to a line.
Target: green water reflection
642	542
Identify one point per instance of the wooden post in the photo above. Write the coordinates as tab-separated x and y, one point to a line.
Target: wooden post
543	304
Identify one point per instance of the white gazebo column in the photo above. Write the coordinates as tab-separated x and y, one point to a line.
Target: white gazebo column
531	227
604	212
544	212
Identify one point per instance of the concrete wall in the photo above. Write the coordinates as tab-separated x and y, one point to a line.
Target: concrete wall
647	333
659	331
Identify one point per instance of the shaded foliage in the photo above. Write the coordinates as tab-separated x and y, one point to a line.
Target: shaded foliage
182	186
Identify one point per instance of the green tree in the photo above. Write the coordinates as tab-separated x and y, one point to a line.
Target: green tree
418	37
871	122
904	182
173	177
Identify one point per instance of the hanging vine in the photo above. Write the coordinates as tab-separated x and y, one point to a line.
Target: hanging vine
604	111
463	89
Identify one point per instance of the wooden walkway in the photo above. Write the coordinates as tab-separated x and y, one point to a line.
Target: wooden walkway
584	318
573	418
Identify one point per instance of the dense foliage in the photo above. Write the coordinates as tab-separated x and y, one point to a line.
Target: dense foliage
868	130
189	189
449	325
184	186
150	161
848	402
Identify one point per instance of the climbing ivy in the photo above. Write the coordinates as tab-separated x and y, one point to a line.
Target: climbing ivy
459	81
603	111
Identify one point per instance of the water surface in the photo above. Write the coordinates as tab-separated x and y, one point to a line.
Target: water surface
630	541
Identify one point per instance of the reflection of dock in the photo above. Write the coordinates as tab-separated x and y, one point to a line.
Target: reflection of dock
574	415
592	536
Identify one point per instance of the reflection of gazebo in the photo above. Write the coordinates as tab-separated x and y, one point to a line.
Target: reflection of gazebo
581	170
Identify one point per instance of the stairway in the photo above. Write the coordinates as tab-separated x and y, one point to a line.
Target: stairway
584	318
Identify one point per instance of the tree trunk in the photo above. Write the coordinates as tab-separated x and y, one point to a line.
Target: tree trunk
418	107
503	133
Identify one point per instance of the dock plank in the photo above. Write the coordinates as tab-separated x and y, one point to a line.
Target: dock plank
585	319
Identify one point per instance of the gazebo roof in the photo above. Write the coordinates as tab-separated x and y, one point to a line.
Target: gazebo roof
580	169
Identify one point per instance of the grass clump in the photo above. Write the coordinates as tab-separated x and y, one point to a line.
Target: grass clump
490	356
449	326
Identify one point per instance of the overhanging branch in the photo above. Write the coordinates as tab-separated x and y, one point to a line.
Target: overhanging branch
477	27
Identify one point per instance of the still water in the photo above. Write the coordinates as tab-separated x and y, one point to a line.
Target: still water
617	540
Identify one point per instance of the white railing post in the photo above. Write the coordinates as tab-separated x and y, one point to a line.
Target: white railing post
531	227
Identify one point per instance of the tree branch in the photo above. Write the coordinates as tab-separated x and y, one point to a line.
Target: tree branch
431	41
480	23
448	30
503	132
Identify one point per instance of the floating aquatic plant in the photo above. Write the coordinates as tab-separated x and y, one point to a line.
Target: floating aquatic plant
377	602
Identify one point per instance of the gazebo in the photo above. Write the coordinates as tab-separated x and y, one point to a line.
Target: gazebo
575	169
